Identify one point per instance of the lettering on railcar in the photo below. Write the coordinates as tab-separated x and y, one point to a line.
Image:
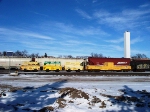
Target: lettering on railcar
143	66
122	63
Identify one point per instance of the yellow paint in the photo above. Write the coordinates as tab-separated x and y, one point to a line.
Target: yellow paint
108	66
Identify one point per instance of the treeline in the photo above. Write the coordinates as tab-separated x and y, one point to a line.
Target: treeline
19	54
24	53
139	56
98	55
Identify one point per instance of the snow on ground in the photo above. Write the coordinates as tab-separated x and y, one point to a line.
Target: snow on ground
74	93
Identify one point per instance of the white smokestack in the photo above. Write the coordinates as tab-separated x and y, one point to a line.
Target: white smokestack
127	44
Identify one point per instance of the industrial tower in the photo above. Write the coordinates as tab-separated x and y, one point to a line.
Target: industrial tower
127	44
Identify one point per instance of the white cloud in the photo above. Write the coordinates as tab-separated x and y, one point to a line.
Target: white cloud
36	35
116	47
94	1
82	31
30	40
40	14
148	27
22	33
134	13
76	43
136	51
135	40
101	13
115	40
128	18
144	5
83	14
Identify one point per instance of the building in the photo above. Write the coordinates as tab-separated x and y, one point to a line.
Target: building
9	53
127	44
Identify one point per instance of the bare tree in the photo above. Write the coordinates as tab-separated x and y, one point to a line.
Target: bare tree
70	56
18	53
60	56
139	56
4	53
24	53
100	55
32	55
92	54
97	55
36	55
144	56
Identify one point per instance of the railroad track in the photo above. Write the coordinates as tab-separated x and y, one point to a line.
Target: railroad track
83	73
89	73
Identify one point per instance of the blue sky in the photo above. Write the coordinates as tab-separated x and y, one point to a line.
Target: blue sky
74	27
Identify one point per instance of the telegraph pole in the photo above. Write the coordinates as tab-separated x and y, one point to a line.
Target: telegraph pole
9	64
9	54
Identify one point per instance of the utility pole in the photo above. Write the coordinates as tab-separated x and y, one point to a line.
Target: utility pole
9	64
9	54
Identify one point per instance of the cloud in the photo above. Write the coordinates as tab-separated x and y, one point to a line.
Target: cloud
136	51
115	40
82	31
20	39
136	40
83	14
94	1
127	18
116	47
148	27
22	33
76	39
135	13
36	35
144	5
133	41
76	43
101	14
39	14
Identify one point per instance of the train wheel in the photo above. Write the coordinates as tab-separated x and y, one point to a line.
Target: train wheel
35	70
47	70
96	70
78	70
68	70
25	70
57	70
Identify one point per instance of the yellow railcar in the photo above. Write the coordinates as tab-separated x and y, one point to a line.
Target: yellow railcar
30	66
52	66
73	66
108	66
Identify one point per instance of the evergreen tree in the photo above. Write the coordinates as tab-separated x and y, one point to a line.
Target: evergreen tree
45	55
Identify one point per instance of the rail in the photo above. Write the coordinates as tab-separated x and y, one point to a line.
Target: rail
83	73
